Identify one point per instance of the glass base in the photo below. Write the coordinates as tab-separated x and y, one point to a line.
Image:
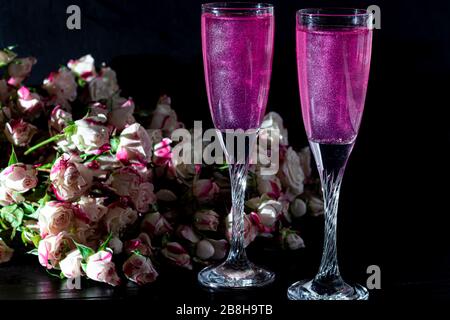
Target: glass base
227	276
304	290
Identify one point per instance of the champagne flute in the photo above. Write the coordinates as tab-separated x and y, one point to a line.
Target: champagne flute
333	60
237	43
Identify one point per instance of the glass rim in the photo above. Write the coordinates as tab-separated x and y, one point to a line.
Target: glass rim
333	12
237	7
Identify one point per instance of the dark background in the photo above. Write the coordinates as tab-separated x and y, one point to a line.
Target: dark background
394	198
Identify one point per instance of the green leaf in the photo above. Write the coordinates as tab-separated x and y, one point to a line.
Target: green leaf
46	166
36	239
114	142
12	157
33	252
70	130
46	198
29	210
105	243
85	251
12	214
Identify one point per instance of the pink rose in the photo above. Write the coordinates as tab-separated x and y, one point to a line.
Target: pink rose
5	252
164	117
91	136
186	232
121	114
70	179
205	190
52	248
139	269
104	85
55	217
204	250
155	224
19	132
142	244
206	220
28	102
90	209
19	70
118	218
83	67
59	119
62	85
19	178
135	145
101	268
71	264
177	255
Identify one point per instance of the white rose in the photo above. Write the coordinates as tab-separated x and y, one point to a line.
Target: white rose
71	264
59	119
90	135
19	132
61	84
316	206
139	269
101	268
121	114
298	208
135	145
70	179
83	67
164	117
291	173
92	209
273	124
19	178
54	217
204	250
104	85
268	212
118	218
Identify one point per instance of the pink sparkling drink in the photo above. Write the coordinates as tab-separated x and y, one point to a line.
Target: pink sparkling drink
237	56
333	70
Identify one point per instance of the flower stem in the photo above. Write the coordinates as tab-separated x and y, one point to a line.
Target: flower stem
43	143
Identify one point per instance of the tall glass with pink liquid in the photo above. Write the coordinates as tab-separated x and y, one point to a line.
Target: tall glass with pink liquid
237	42
333	60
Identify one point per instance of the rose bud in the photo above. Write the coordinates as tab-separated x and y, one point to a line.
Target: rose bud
19	178
83	67
100	268
71	264
59	119
104	85
186	232
177	255
291	173
28	102
52	248
269	185
121	114
91	136
205	190
268	212
139	269
166	195
291	240
155	224
206	220
135	145
70	179
8	197
61	84
54	217
162	152
164	117
298	208
19	70
142	244
204	250
19	132
316	206
5	252
220	248
116	245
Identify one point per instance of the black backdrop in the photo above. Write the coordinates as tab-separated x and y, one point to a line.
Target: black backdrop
393	210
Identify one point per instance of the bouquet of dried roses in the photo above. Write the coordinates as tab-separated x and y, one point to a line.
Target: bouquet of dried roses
93	189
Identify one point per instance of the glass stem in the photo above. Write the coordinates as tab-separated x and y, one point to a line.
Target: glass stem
238	178
331	161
